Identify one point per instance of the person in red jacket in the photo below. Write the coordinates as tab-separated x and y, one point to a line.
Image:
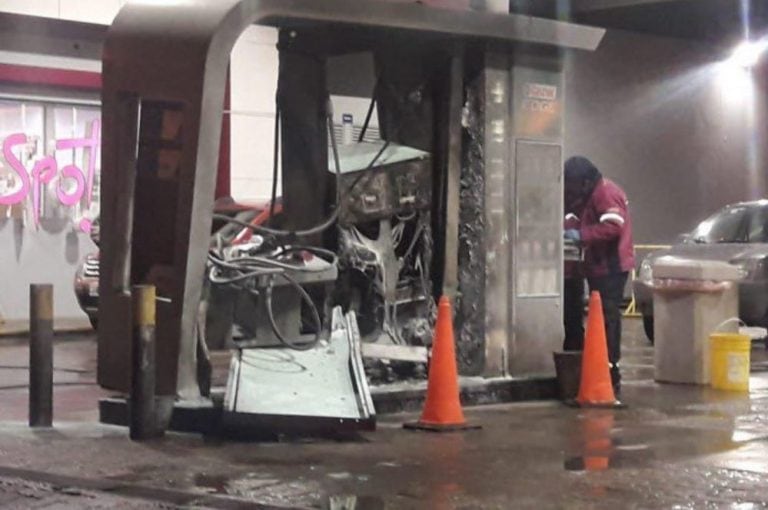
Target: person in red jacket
605	234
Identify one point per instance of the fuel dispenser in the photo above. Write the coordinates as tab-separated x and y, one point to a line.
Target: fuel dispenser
461	196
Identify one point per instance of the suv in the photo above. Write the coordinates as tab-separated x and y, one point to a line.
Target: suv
737	234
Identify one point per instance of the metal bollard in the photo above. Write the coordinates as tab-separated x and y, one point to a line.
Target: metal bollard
41	355
143	424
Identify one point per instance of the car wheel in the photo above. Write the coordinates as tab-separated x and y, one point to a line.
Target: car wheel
94	322
648	327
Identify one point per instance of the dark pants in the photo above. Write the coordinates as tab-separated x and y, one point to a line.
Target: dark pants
611	289
573	314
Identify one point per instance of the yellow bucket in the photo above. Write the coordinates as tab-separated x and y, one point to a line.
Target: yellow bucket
729	358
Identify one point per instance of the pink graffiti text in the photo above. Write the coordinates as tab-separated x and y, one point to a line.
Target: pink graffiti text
46	169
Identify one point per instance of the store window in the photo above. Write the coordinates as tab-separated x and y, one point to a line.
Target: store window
50	165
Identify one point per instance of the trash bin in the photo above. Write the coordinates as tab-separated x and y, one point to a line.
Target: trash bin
691	298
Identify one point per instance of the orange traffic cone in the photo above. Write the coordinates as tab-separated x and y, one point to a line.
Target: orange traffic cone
595	389
442	409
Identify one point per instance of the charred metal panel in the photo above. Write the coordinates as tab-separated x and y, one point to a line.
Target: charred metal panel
470	301
483	232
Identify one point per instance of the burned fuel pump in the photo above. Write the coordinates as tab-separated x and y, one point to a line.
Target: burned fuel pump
385	253
369	233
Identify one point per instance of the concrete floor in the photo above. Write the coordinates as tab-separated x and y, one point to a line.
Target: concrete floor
674	447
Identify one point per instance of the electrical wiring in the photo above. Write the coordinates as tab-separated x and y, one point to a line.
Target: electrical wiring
313	309
278	233
397	234
247	268
317	229
414	240
370	111
269	306
272	260
255	261
327	255
215	278
406	218
365	173
244	271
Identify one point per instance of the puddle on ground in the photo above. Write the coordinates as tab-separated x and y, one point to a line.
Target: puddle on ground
354	502
136	474
596	445
612	455
632	447
586	464
213	484
600	462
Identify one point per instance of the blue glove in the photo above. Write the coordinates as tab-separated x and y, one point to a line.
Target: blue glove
572	234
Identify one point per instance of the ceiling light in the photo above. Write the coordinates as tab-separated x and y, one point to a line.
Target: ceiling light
748	53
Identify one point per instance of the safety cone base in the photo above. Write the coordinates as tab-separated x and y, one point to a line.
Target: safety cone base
603	405
435	427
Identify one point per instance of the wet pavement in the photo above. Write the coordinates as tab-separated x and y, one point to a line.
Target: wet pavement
24	494
673	447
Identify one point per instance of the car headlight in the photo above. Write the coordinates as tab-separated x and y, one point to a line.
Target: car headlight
645	273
